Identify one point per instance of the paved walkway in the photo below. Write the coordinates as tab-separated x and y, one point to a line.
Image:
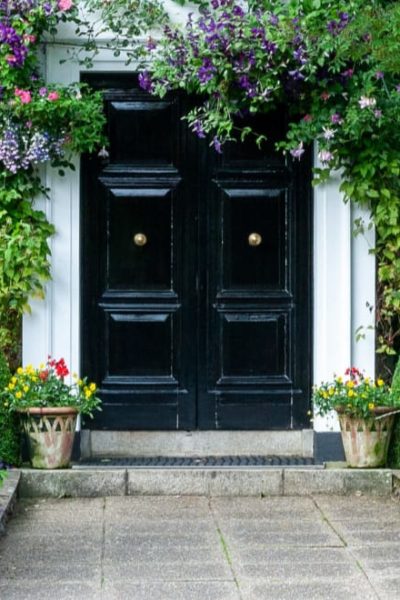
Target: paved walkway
193	548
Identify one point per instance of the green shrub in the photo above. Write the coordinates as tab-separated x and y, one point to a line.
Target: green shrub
9	427
394	449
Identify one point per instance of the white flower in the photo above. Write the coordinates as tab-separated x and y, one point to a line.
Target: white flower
103	153
366	102
328	133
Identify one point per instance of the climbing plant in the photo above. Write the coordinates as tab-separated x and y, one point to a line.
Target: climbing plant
39	123
335	65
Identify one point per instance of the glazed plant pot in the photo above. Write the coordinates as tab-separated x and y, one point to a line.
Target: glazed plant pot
50	433
366	440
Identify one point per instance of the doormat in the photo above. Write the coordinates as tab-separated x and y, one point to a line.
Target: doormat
198	461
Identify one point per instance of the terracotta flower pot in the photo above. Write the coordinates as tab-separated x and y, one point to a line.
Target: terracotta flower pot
50	433
366	440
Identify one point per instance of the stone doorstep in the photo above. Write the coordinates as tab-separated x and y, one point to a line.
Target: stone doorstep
205	482
8	497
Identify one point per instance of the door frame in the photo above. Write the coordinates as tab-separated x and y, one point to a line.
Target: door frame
339	260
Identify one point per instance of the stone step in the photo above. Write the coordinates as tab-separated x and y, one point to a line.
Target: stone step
205	482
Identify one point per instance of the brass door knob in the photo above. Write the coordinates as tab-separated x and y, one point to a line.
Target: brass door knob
254	239
140	239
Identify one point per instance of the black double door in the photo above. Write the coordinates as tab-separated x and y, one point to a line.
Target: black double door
195	274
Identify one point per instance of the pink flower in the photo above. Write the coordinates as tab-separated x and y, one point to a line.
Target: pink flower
30	39
53	96
65	4
298	151
325	96
307	118
23	95
325	156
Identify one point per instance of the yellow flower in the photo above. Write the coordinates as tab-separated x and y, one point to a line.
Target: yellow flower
350	384
331	391
351	394
367	380
324	395
80	382
26	388
75	375
20	370
42	366
380	382
11	386
371	406
14	379
34	378
92	387
88	393
18	394
339	379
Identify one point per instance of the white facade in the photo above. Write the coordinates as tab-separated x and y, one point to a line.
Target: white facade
343	277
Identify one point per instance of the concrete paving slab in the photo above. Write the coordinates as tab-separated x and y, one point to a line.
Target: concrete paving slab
167	482
31	590
270	507
246	483
192	590
301	482
361	508
366	533
168	507
287	533
183	570
69	483
262	589
389	588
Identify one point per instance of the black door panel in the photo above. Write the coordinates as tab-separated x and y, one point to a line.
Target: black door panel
195	273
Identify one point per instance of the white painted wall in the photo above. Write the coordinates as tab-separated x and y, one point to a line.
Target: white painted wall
343	278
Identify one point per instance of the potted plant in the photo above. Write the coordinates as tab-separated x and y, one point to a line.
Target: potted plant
48	407
366	409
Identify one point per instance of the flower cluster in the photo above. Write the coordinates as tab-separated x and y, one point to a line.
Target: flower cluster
21	148
45	386
354	394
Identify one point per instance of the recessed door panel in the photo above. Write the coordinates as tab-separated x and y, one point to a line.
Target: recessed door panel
254	239
254	347
139	239
131	351
142	131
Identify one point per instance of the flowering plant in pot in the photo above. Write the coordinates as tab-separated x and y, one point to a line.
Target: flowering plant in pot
49	407
366	409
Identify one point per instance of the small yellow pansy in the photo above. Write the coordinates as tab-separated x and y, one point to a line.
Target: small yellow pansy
14	379
331	391
26	388
371	406
92	387
350	384
11	386
380	382
351	394
18	394
20	370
